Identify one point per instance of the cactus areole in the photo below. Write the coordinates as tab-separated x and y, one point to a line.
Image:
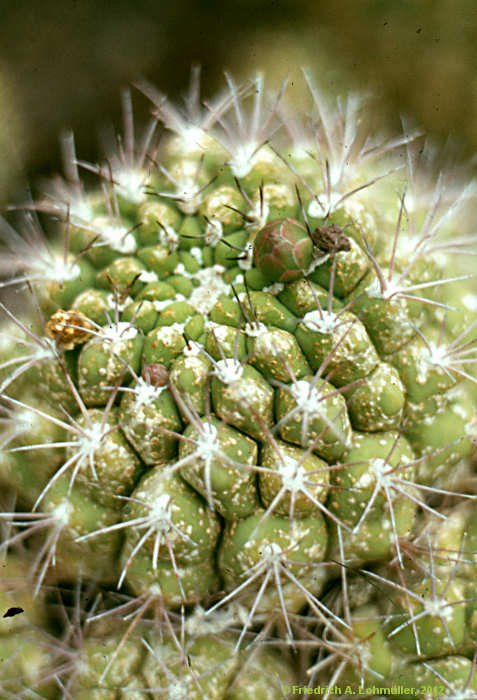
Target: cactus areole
238	412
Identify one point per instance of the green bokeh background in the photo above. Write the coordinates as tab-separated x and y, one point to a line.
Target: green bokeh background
62	64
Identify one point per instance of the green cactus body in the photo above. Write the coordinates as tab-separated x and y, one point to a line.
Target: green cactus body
451	676
145	413
440	630
228	475
25	659
251	390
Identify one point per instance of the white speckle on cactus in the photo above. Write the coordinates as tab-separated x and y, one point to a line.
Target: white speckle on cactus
293	474
470	301
118	333
207	442
381	470
322	321
61	271
79	211
307	397
192	349
168	237
391	289
198	623
238	279
169	333
271	554
275	288
365	480
114	235
242	160
180	270
90	441
145	392
191	138
197	253
211	286
228	371
245	261
26	421
257	216
316	262
254	330
160	514
270	342
179	690
155	590
437	355
438	607
148	276
189	197
213	232
160	305
62	513
120	304
322	205
131	184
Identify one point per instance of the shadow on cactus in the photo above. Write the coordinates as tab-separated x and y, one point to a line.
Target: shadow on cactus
239	406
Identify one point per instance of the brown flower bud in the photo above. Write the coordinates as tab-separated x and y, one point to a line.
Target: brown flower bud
69	328
155	374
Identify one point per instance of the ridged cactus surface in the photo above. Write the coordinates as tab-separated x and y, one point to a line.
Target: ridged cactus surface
238	413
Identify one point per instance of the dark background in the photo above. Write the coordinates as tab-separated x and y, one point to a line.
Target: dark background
62	64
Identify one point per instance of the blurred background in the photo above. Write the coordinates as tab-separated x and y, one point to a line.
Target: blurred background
62	64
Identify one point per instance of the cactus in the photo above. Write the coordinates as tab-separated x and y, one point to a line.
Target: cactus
238	413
